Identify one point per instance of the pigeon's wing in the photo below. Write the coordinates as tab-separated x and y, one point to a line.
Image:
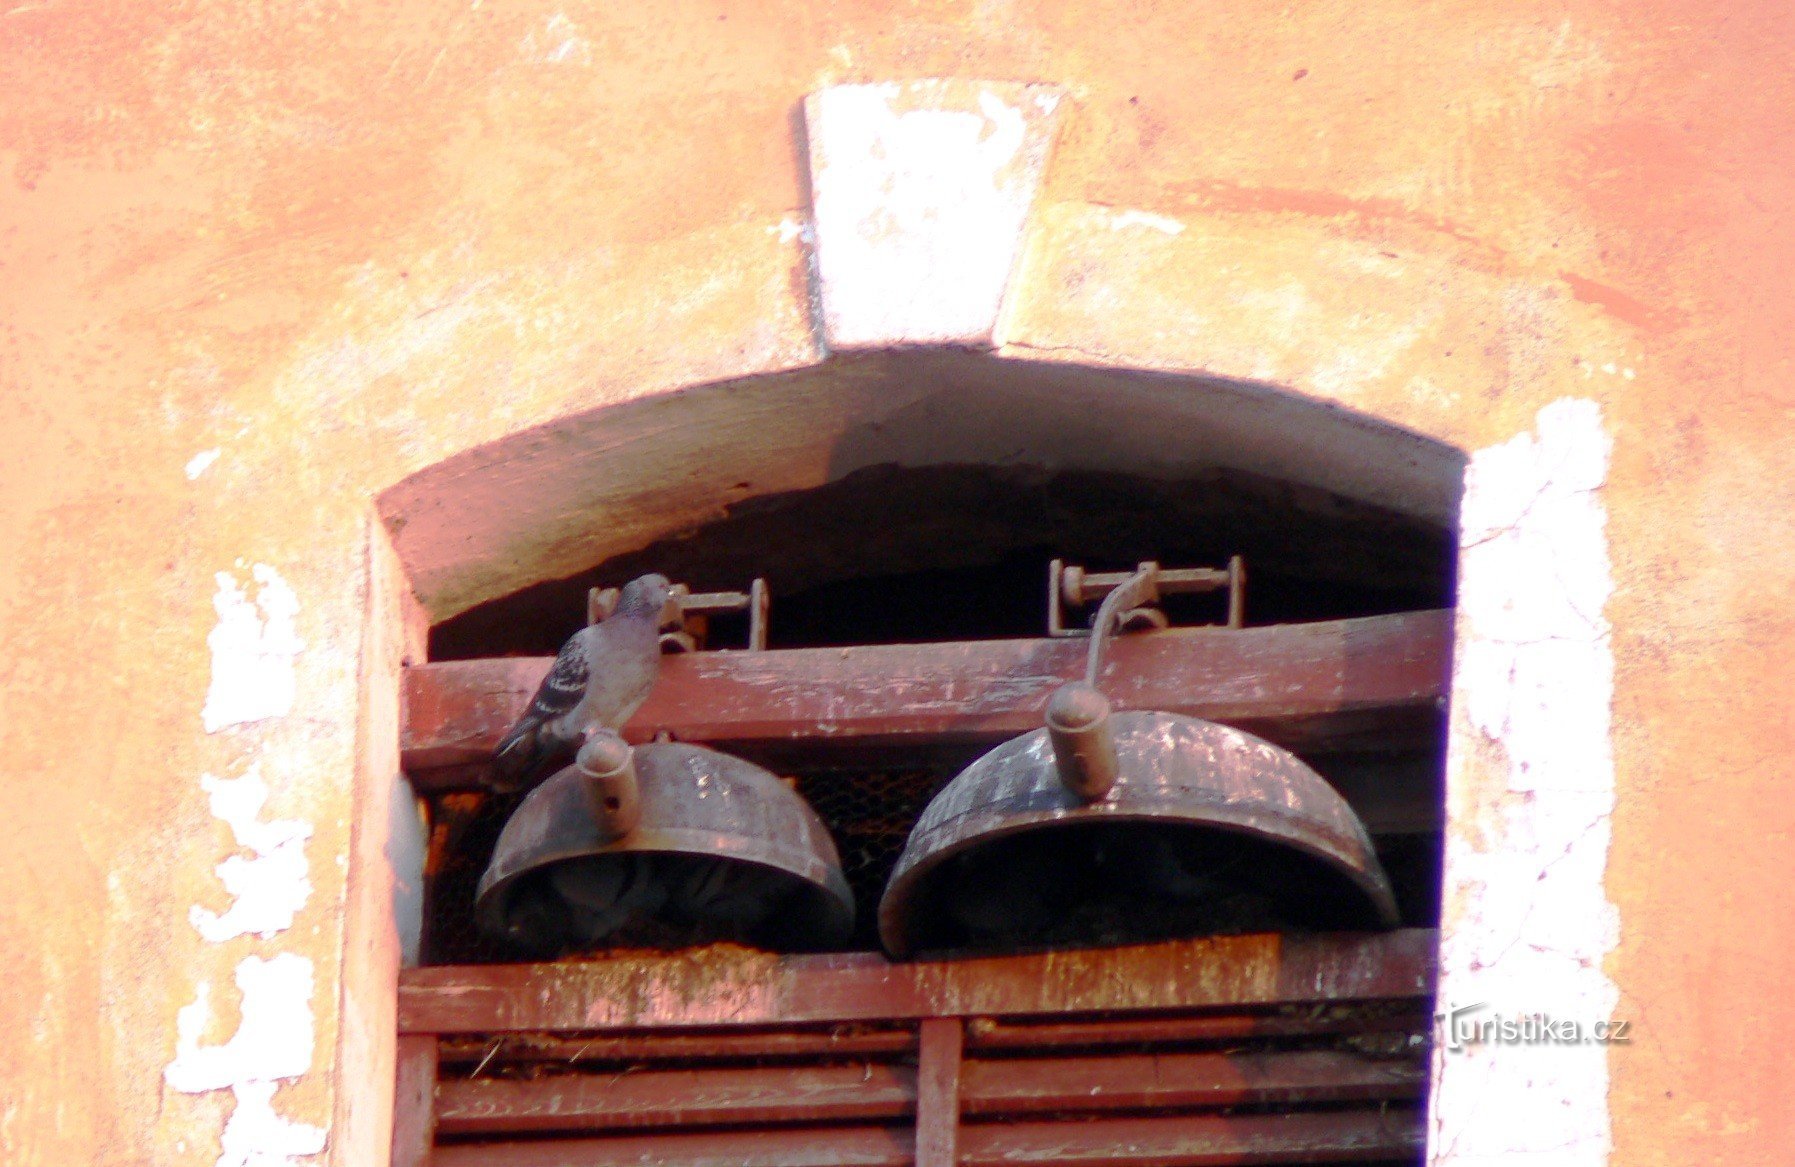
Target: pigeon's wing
523	748
560	691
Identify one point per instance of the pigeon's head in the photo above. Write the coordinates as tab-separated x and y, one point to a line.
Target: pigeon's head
646	595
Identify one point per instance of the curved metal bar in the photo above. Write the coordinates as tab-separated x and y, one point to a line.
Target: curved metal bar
1140	588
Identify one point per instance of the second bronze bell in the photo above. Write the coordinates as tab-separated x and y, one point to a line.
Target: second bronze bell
1104	827
665	843
1198	829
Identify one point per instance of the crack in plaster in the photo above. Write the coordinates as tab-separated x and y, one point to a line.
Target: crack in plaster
1528	922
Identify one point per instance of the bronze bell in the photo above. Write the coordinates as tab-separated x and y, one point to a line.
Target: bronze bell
663	840
1107	827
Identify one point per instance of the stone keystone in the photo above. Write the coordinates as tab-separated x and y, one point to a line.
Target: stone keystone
921	190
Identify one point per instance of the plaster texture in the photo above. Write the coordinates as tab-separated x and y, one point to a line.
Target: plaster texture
920	192
267	272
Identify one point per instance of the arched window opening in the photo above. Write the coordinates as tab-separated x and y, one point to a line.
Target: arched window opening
941	554
906	510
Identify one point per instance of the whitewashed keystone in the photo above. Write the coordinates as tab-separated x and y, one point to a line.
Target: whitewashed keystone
921	191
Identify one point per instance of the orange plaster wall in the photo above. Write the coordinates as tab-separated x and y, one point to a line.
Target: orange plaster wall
340	244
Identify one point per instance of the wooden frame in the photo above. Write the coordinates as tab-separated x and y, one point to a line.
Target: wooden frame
763	1059
1377	682
739	1057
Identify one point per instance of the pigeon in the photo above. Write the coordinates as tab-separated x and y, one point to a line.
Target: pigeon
601	676
724	897
603	893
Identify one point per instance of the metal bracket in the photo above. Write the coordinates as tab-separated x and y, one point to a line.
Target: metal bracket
1070	586
689	614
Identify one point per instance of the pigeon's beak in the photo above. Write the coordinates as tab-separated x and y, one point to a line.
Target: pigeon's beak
673	612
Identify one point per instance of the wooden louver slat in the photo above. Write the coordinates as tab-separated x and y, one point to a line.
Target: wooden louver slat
885	1091
1168	1141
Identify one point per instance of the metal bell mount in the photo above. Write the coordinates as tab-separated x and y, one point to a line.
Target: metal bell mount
668	836
1105	827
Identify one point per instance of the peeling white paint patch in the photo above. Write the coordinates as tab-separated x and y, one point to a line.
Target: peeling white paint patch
1122	220
1527	919
274	1041
920	193
201	462
790	228
253	649
556	43
256	1136
273	1038
268	888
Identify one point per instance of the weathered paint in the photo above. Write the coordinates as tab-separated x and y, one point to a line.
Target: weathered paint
201	462
253	648
724	985
267	889
257	1136
273	1041
1122	220
1527	921
274	1035
920	191
343	250
1285	683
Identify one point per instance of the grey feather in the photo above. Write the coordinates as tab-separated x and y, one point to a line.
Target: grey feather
599	679
724	896
602	893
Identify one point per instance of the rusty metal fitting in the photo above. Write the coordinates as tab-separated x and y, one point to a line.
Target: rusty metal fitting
1084	743
673	612
685	620
1070	586
608	765
600	603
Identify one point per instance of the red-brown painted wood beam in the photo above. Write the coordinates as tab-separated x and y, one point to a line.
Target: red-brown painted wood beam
414	1100
1201	1140
738	987
868	1042
941	1046
886	1091
1375	682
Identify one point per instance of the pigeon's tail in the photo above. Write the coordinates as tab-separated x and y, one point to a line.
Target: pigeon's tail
519	758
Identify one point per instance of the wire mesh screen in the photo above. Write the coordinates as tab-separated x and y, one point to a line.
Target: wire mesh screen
464	829
870	813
